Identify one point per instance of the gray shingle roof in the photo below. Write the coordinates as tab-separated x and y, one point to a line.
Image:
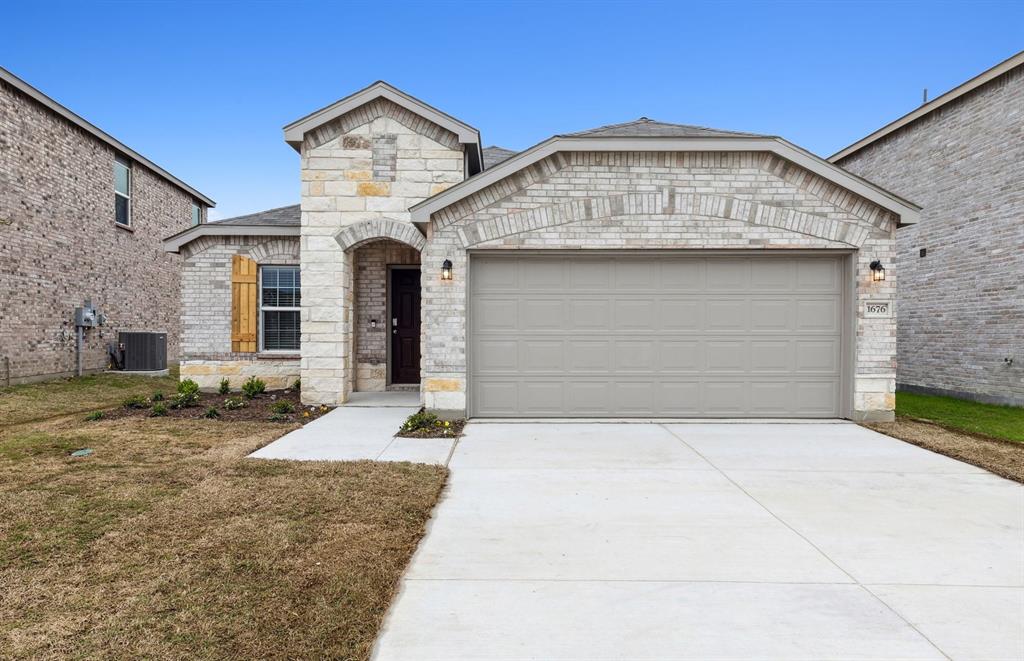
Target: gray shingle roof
645	127
494	155
281	216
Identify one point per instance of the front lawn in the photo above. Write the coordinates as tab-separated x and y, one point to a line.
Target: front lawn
166	542
1004	422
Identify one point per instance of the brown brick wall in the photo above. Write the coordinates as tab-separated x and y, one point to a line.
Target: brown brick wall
59	244
961	306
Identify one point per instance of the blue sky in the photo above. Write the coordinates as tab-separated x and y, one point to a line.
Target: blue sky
203	89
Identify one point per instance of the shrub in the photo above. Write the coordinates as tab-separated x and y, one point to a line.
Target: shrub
234	403
225	387
419	420
157	397
94	416
159	409
135	402
253	387
188	394
211	412
297	386
278	417
282	408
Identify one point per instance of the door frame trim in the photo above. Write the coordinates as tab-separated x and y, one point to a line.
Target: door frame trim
387	319
848	321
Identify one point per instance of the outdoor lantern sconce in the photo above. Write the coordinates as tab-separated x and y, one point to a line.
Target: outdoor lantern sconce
877	271
446	270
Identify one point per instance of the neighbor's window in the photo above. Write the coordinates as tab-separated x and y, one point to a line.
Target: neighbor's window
197	214
122	191
280	290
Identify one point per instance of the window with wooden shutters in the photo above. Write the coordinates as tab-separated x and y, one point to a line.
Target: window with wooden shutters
244	304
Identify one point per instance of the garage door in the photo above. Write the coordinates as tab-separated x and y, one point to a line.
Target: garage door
658	335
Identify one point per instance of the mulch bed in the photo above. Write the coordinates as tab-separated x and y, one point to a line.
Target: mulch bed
1004	458
452	430
259	408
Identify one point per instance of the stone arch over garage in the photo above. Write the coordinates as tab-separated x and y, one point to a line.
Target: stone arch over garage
380	228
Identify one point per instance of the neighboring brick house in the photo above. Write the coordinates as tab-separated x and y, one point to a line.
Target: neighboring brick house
961	284
638	270
82	216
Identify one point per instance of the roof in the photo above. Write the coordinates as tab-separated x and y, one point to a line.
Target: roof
281	216
679	137
282	221
646	127
467	135
936	103
96	132
494	155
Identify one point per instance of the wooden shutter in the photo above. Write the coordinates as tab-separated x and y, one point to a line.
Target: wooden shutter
244	307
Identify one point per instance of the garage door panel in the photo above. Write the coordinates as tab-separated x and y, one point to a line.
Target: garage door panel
541	314
655	335
590	314
635	314
537	356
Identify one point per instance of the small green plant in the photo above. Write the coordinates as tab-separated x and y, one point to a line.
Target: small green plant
188	394
94	416
282	408
225	387
297	386
135	402
278	417
234	403
211	412
157	397
419	420
253	387
159	409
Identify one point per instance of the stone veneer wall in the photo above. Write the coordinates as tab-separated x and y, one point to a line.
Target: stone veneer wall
59	245
206	312
371	289
350	173
961	305
660	200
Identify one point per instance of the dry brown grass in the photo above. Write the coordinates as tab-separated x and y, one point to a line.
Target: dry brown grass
167	543
1005	458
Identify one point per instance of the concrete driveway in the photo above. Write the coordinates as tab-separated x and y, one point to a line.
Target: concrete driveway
710	541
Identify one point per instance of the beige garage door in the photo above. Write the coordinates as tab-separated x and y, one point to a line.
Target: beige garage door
660	335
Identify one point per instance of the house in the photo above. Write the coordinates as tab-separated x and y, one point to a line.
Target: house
82	216
961	284
644	269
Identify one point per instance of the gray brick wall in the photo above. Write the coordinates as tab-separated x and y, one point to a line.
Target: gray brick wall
59	244
651	200
961	306
206	354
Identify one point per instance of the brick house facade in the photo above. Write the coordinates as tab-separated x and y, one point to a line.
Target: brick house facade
60	244
961	284
762	252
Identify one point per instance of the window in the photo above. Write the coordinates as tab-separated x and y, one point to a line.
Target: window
197	214
280	292
122	191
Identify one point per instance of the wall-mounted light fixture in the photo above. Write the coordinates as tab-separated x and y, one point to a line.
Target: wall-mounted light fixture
877	271
446	270
373	323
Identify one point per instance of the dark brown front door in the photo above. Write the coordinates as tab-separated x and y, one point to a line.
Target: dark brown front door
405	326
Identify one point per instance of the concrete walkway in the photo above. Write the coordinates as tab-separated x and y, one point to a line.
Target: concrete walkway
712	541
364	428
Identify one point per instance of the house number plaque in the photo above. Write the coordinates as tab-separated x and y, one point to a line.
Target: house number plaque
878	309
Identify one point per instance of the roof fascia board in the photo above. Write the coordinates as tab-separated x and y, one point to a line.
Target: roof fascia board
98	133
908	212
932	105
176	242
294	132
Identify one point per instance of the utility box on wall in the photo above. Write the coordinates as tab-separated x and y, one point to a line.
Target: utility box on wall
143	352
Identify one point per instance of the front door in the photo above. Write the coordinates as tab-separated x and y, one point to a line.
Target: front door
405	325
